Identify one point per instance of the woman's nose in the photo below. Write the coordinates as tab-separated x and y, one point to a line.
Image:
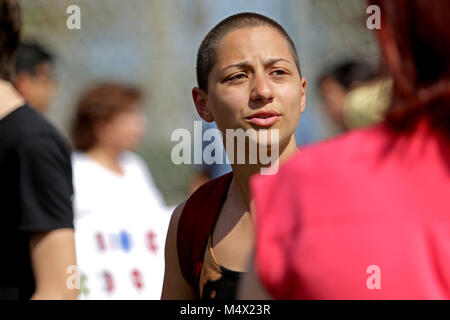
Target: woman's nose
261	90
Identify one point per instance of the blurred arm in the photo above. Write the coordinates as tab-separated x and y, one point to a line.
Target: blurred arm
52	253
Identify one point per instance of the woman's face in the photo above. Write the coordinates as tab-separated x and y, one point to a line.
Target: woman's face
255	83
124	131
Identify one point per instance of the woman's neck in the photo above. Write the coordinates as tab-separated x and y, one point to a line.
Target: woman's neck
243	172
107	157
10	99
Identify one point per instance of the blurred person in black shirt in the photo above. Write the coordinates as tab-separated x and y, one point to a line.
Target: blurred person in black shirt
36	229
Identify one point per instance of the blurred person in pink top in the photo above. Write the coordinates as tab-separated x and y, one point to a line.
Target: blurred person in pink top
367	215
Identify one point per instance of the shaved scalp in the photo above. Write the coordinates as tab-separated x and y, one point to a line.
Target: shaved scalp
207	53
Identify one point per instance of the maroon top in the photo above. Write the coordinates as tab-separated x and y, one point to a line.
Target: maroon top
196	223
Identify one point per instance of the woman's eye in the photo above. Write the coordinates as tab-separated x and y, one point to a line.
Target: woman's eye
278	72
239	76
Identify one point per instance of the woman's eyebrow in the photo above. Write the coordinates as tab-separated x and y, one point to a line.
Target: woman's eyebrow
242	64
272	61
246	63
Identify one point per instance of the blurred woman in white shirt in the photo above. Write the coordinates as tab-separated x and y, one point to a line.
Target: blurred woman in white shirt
117	205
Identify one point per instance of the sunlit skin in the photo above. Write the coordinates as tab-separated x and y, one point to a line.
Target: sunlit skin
10	98
254	72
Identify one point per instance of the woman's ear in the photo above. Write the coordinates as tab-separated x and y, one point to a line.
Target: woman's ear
303	97
200	100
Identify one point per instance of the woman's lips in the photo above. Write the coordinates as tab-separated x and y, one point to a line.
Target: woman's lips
264	119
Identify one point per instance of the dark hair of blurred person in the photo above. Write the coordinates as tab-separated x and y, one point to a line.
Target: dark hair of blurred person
366	215
36	229
415	40
338	81
10	26
108	121
34	75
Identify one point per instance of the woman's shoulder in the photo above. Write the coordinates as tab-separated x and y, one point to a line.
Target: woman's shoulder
80	159
214	189
131	157
205	203
133	162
